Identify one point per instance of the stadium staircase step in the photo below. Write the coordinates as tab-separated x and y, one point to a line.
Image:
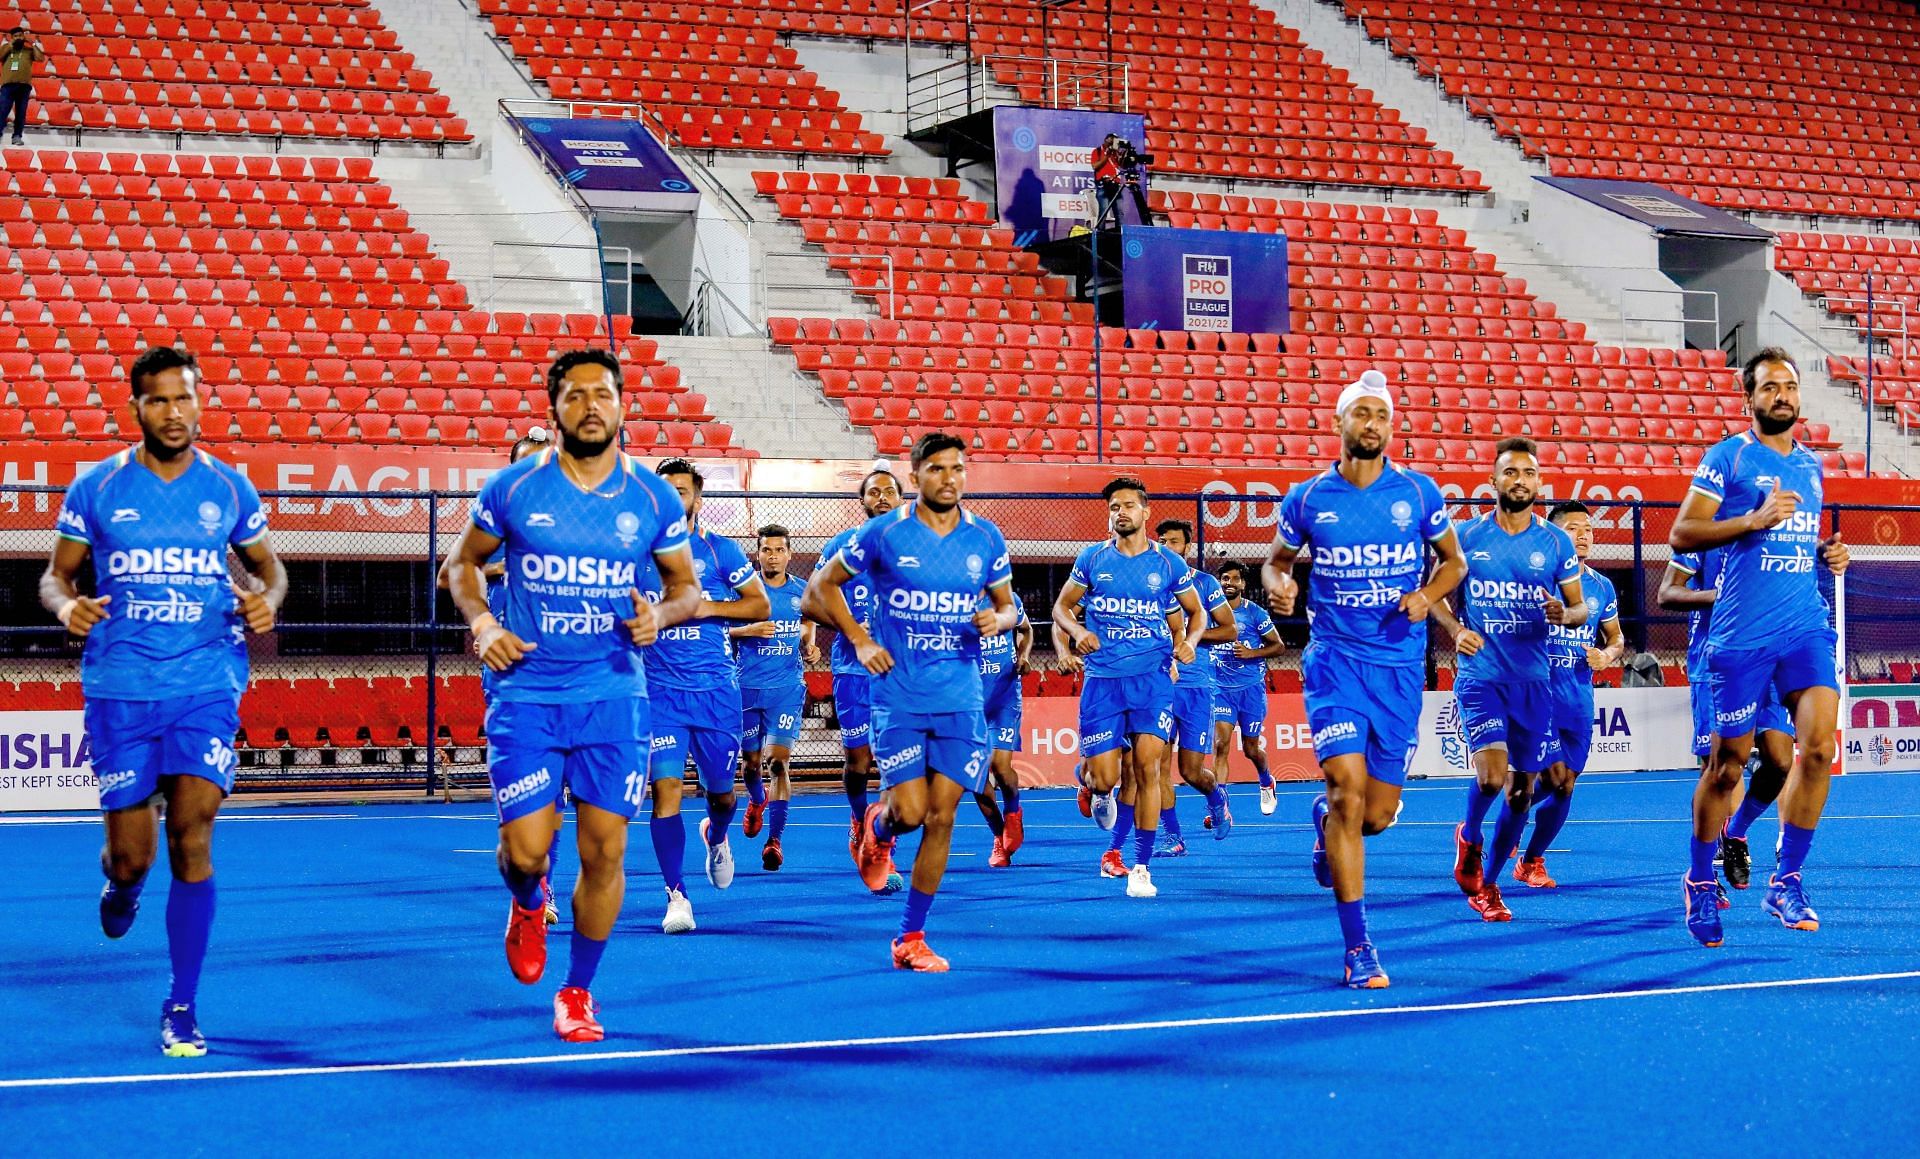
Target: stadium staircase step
448	39
761	393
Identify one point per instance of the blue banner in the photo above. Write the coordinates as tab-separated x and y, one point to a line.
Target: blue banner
1042	172
1204	279
613	164
1662	209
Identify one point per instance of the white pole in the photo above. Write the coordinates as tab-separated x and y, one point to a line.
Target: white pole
1840	663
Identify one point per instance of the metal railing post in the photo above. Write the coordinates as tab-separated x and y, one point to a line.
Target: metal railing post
433	640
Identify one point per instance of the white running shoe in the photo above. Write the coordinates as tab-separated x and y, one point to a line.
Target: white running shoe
719	860
1106	808
1269	800
679	919
1140	883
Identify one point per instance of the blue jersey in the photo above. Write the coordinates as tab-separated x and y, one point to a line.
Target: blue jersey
1508	577
1769	587
1368	549
859	596
1703	575
1251	624
1567	647
1126	606
998	654
774	661
159	552
574	557
1199	674
926	589
698	653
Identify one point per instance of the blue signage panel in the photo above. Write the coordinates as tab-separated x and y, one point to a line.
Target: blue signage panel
613	164
1043	172
1204	279
1662	209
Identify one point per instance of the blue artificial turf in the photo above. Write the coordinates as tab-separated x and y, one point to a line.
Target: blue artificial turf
372	935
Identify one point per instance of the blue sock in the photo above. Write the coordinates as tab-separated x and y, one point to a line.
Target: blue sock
1122	825
670	847
1143	846
756	790
1744	817
1547	820
1266	778
1170	821
553	853
717	822
585	961
1506	837
1702	853
1353	921
882	827
915	919
525	887
1794	843
1478	802
1218	797
1009	798
776	819
189	924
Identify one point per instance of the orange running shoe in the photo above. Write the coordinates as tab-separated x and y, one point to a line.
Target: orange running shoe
1016	832
853	840
771	858
1489	904
1085	801
1113	865
873	856
1533	871
756	814
1468	873
527	943
912	953
573	1016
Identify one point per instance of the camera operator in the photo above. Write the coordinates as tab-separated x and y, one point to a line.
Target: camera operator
1118	165
16	79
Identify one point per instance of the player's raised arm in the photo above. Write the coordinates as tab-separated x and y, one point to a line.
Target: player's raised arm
1570	609
1071	640
1002	616
59	593
1276	576
825	601
1447	575
1674	594
461	574
1466	641
1186	644
260	604
679	588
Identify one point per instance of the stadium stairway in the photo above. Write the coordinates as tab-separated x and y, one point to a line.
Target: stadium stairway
762	394
466	63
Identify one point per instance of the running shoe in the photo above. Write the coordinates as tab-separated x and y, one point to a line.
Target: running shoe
755	816
1786	899
1363	969
853	840
1084	799
719	859
573	1016
527	943
1703	912
1720	895
874	857
1490	905
118	908
1106	808
679	919
1220	818
1468	873
1112	864
912	953
548	909
1736	861
1015	833
1322	872
180	1031
998	858
1140	883
1533	871
1269	800
771	858
1166	844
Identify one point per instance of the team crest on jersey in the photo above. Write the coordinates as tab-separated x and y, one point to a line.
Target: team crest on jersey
627	526
1536	561
973	568
1154	581
1402	513
700	570
209	517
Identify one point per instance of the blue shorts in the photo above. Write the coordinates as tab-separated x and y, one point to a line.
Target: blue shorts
770	717
909	745
704	725
1245	708
1772	717
1003	718
137	742
1193	717
1367	708
853	704
1741	680
1114	709
1573	722
595	750
1514	715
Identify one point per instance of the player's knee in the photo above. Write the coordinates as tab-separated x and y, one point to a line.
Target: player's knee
1519	794
602	853
126	865
1722	774
776	767
1816	757
721	802
189	847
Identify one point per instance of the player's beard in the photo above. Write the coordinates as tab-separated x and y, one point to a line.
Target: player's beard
936	506
160	452
1770	425
579	448
1514	506
1358	450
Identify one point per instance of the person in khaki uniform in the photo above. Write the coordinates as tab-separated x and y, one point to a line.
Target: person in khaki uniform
16	79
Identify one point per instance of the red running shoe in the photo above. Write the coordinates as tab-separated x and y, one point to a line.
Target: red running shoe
573	1016
1489	905
756	815
1113	865
912	953
873	856
771	857
998	858
1016	833
1085	801
527	943
1533	872
853	840
1468	873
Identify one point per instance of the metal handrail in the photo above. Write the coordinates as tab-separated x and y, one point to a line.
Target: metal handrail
1683	321
695	321
957	88
1876	306
886	261
601	254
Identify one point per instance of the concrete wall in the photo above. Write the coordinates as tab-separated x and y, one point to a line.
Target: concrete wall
1613	254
